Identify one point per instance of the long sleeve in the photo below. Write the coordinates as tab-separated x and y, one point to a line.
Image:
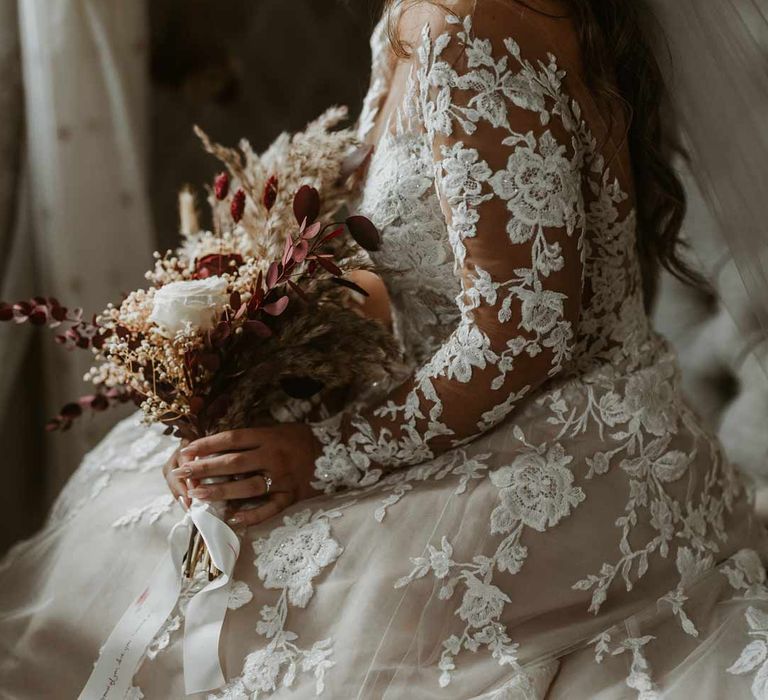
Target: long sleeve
508	172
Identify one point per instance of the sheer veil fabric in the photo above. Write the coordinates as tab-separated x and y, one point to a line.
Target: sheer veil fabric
534	513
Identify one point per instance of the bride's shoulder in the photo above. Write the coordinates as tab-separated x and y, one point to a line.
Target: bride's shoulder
538	24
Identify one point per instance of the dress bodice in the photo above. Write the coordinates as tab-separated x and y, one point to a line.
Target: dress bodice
501	189
417	261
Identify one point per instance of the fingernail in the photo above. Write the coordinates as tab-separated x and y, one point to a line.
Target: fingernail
199	493
182	503
186	450
182	471
235	520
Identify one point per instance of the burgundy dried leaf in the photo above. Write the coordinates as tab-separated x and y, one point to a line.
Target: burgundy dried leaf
287	251
295	287
237	208
349	285
186	432
257	328
330	266
277	307
364	232
333	234
71	410
234	300
241	312
311	231
196	405
211	361
306	205
221	186
220	333
22	308
301	251
270	193
273	274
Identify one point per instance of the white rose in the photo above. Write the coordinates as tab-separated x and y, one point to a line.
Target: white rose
196	303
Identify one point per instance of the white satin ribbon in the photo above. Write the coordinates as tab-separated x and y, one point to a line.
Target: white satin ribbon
122	653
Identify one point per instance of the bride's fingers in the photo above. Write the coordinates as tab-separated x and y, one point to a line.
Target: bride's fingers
179	489
177	485
253	516
221	465
244	439
251	487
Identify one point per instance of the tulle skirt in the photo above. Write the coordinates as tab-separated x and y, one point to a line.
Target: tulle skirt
491	572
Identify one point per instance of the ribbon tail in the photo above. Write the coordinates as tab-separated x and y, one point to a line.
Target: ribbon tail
206	611
112	676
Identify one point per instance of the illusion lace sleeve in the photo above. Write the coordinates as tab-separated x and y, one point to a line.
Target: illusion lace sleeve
508	172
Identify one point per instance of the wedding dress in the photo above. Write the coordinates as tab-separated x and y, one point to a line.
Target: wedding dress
535	513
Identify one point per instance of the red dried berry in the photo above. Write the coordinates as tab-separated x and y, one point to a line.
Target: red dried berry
270	193
238	206
39	316
221	186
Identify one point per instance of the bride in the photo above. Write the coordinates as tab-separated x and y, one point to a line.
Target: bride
536	512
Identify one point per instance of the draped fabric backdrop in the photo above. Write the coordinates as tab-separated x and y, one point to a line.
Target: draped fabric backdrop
82	229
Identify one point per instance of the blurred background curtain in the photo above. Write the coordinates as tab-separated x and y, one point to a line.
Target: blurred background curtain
77	222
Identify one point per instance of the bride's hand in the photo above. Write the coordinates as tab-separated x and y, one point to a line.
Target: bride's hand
275	464
176	484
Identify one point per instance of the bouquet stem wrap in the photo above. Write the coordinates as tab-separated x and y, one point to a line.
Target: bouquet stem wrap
126	646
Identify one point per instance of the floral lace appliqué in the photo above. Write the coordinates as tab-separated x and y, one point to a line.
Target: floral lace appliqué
288	560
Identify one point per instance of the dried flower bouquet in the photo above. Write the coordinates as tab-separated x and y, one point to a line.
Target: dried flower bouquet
242	321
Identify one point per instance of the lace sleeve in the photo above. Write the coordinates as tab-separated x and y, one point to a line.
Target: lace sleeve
508	173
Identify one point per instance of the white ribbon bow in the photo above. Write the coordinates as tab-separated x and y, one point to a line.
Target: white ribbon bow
112	676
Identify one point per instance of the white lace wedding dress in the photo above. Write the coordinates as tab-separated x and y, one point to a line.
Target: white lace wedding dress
535	513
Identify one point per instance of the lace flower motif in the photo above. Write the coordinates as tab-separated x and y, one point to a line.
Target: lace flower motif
754	656
536	489
294	554
539	188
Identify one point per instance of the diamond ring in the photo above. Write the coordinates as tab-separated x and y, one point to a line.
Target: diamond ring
267	481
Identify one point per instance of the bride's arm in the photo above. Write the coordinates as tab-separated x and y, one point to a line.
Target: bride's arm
508	174
508	170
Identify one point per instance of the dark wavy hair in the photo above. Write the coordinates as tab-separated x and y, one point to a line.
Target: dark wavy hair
619	62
